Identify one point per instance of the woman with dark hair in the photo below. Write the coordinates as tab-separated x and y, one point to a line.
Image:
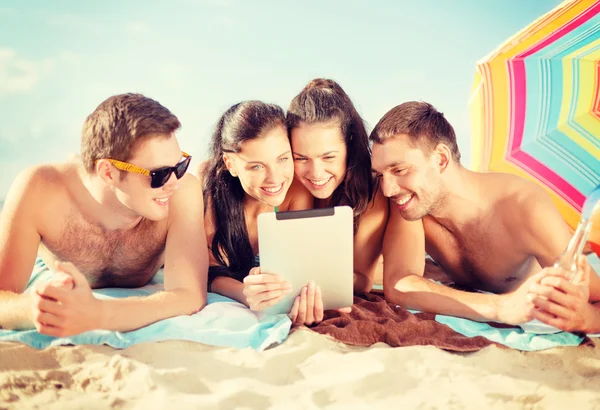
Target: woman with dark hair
251	171
332	159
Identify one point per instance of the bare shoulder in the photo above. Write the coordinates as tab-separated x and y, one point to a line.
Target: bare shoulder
41	183
208	209
297	198
376	214
525	208
378	207
517	196
187	199
40	175
201	170
38	199
298	190
189	185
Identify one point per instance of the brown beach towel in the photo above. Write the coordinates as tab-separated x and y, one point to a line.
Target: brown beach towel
373	320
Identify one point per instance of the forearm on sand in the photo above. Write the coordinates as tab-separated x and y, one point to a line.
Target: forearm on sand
15	311
418	293
136	312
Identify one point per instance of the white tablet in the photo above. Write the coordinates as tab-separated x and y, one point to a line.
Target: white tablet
301	246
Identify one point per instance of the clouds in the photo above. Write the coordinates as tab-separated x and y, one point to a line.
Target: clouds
19	74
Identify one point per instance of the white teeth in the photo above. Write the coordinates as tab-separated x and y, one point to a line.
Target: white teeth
320	182
273	190
162	200
404	199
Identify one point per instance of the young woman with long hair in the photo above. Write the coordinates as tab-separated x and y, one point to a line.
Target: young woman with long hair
332	159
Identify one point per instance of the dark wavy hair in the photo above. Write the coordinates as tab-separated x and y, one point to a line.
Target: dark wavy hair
231	246
324	101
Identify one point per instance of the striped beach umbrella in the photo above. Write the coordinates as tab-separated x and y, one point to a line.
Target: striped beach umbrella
535	106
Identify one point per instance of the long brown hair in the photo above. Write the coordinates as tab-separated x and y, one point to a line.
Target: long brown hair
324	101
231	246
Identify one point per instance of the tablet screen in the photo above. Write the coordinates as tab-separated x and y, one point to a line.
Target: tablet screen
301	246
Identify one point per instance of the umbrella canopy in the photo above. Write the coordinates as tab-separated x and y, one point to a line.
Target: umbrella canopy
535	106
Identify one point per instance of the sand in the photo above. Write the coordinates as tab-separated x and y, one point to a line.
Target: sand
306	371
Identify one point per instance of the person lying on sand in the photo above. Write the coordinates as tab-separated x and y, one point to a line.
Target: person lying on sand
488	231
116	216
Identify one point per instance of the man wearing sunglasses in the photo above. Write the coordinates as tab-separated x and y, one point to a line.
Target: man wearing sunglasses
112	218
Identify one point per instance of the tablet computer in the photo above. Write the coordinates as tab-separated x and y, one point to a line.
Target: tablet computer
316	244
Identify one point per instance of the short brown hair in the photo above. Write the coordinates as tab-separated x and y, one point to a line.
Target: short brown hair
114	127
425	126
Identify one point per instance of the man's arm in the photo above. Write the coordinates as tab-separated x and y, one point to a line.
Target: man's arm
368	242
62	312
19	241
404	284
185	270
560	301
563	304
220	282
537	224
546	234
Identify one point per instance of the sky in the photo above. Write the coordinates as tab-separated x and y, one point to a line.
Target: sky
59	60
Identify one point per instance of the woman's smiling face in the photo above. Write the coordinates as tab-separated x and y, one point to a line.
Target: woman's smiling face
264	166
319	157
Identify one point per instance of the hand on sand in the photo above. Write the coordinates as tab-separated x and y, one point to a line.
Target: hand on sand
563	304
264	289
308	306
65	305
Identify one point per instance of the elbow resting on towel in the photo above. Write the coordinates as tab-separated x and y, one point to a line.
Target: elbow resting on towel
401	289
195	301
199	303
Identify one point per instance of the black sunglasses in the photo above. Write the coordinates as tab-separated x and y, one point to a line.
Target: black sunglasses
160	176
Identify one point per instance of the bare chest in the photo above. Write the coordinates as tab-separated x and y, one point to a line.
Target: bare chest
482	256
107	258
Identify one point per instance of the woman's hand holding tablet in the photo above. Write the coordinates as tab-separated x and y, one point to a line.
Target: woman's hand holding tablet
308	306
263	290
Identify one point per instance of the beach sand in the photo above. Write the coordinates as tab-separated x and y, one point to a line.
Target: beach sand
306	371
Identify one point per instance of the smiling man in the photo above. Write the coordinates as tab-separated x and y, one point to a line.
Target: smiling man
488	231
110	219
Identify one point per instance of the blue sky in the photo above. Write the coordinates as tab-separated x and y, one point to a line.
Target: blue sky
60	59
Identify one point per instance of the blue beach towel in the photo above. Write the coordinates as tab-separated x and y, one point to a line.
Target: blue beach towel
513	337
223	322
